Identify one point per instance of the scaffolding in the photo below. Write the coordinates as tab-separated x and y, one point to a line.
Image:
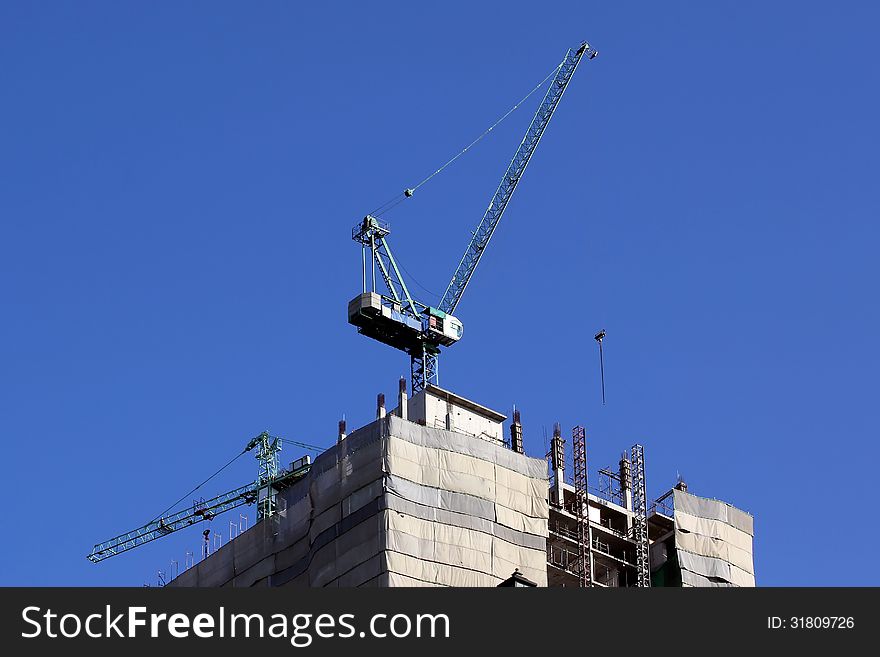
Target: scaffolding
581	507
640	516
610	488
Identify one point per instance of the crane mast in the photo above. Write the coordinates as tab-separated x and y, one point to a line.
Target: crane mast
419	329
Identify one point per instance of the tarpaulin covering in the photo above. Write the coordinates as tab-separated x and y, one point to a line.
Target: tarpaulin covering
396	504
713	542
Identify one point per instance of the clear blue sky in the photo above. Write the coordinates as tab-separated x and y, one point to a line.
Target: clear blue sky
178	182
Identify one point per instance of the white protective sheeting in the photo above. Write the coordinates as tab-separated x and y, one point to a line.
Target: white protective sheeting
689	579
714	547
462	444
458	546
713	542
702	507
396	579
714	529
478	511
434	573
396	504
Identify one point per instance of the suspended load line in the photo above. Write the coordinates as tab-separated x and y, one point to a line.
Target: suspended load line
598	338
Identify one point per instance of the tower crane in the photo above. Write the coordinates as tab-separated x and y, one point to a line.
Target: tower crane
419	329
262	492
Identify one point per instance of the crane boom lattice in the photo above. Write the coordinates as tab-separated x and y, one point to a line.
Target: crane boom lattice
416	328
511	178
262	491
640	516
166	525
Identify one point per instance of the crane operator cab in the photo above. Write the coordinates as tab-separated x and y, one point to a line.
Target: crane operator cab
385	320
441	327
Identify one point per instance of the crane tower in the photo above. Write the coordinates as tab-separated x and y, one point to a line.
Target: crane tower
420	330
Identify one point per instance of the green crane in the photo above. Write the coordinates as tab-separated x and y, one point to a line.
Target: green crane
419	329
270	480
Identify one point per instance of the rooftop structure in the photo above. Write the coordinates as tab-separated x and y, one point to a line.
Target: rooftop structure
400	503
431	494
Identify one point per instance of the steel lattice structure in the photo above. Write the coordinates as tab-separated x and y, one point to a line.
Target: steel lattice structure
204	510
164	526
267	454
511	178
405	324
581	507
640	516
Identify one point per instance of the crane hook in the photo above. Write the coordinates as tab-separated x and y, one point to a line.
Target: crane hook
598	338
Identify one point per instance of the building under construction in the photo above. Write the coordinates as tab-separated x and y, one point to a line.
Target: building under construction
433	493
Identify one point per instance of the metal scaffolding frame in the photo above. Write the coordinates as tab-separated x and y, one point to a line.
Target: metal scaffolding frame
640	516
581	507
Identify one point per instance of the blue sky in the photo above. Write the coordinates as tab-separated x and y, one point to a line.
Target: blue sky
179	182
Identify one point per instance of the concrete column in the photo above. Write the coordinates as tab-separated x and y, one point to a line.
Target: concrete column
402	410
625	473
341	435
516	434
557	451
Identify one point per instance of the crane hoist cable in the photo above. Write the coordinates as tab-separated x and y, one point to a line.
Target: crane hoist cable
230	462
418	329
413	279
203	510
408	192
313	448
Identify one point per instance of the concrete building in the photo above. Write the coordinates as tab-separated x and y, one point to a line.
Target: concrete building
700	542
400	502
432	494
693	541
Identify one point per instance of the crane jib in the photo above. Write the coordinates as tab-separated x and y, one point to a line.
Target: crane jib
418	329
511	178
